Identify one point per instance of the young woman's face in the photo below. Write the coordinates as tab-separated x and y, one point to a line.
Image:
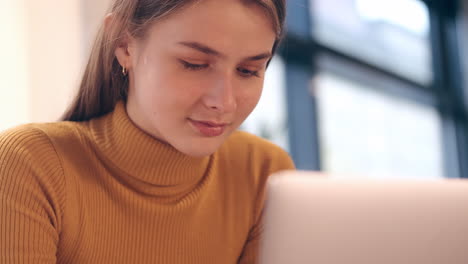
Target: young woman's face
199	73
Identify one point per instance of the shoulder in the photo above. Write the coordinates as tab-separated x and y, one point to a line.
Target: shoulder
29	162
260	155
25	140
31	174
41	145
247	161
35	138
35	145
26	146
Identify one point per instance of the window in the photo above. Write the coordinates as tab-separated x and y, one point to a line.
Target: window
367	132
383	86
390	34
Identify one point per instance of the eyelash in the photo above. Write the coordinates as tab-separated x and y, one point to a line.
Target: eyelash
193	67
196	67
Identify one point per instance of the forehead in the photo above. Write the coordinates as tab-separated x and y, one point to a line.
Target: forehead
222	23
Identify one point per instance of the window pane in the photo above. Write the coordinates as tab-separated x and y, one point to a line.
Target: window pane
393	34
269	119
366	132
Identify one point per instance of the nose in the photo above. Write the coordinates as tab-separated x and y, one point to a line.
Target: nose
220	96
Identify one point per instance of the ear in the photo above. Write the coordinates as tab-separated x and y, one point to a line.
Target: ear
124	51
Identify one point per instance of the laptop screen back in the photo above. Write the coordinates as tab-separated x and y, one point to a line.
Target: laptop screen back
313	219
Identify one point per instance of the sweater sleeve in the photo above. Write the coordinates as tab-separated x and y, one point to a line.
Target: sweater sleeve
31	197
280	162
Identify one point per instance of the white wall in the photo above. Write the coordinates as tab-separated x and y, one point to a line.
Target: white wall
44	46
55	55
14	81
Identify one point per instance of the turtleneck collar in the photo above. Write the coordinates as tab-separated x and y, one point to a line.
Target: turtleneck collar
142	156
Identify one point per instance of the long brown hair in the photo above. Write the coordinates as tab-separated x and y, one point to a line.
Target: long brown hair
103	83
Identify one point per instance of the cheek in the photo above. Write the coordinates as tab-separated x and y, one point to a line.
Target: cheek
161	85
247	101
182	93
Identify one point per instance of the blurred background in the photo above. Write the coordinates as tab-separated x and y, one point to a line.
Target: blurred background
375	88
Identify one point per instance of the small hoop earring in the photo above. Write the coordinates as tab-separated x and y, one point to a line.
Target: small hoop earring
124	71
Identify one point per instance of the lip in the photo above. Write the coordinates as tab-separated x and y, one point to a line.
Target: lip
208	128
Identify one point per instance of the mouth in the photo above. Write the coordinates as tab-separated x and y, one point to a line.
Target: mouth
208	128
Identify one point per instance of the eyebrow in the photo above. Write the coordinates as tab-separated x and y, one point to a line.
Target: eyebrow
210	51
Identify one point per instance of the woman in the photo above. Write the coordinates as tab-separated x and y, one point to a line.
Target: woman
147	166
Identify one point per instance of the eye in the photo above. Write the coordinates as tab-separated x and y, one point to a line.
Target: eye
247	73
193	67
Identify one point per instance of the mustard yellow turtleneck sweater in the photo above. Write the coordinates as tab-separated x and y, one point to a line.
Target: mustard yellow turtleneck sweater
103	191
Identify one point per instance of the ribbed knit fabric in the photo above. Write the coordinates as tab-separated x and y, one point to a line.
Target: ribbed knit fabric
103	191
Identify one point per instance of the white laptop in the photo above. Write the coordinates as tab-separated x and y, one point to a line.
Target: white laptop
311	218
